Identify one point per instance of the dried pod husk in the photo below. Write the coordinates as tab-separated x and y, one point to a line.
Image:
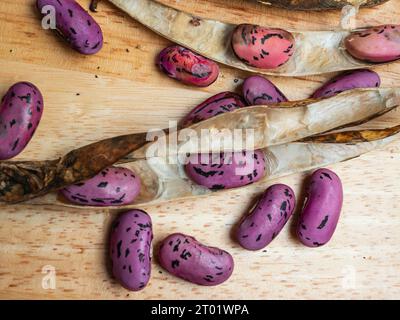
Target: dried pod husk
317	52
318	5
24	180
354	136
163	176
162	180
281	123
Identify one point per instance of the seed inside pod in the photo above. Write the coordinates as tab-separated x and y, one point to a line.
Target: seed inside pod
375	44
261	47
226	171
111	187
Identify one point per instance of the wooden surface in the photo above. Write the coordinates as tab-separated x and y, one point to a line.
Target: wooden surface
120	91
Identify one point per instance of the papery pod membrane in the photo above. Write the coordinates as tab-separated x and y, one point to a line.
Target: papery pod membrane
274	126
317	52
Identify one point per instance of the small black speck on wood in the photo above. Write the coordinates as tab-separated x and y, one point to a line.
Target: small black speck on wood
93	5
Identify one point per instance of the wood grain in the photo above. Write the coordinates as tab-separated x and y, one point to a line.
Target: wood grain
130	95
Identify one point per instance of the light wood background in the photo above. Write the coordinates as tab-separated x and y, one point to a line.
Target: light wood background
120	91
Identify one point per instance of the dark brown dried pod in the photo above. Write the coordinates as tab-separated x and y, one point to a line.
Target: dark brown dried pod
318	4
354	136
24	180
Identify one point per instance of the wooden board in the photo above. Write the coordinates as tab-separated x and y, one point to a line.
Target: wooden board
120	91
